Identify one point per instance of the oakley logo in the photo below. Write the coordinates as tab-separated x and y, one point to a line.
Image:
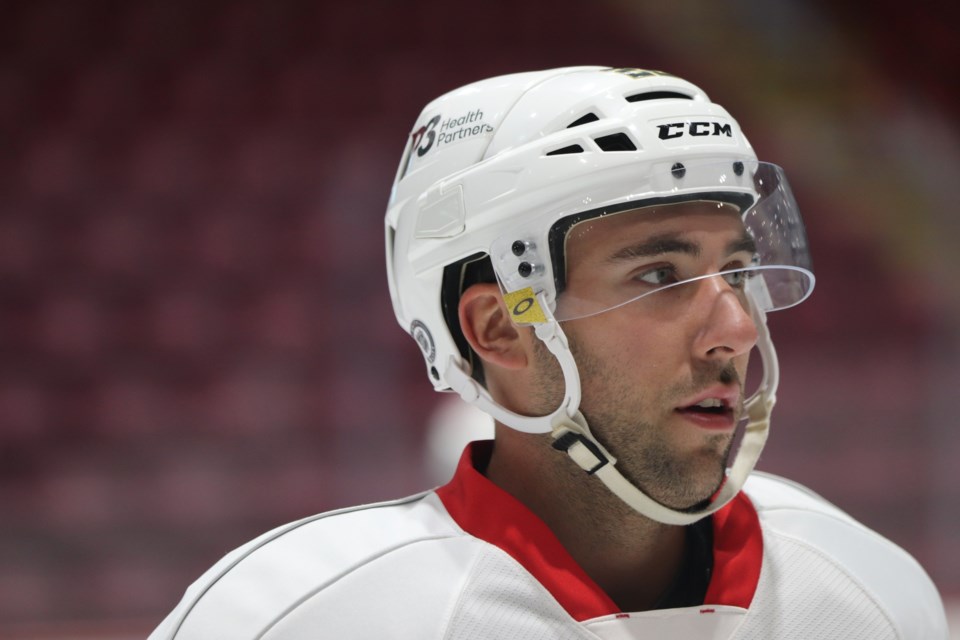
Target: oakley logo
678	129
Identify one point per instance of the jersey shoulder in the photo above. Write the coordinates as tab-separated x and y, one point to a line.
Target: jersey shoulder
255	588
808	538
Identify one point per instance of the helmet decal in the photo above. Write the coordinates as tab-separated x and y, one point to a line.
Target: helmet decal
440	130
423	337
695	129
523	306
639	73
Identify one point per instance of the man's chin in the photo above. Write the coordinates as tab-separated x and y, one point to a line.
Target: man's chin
697	494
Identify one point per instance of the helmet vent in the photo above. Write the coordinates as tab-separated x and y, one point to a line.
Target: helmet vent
657	95
573	148
590	117
616	142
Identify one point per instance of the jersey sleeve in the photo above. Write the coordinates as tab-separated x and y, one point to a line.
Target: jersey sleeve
349	572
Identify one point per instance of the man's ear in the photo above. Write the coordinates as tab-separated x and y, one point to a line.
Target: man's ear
487	326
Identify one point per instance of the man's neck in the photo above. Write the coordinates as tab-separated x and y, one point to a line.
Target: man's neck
635	560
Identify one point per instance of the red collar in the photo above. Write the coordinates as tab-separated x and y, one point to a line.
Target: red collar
486	511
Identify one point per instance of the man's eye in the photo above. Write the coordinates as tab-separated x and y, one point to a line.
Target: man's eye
737	278
658	276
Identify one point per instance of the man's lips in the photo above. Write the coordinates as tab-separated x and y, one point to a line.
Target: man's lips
713	408
727	394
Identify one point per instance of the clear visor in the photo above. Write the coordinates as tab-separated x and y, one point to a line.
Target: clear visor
744	238
766	288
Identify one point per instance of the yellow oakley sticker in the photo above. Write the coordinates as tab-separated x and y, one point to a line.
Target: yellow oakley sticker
524	307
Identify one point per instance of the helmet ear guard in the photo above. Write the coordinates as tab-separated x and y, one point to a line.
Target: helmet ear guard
518	161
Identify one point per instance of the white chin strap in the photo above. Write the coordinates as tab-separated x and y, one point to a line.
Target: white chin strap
572	434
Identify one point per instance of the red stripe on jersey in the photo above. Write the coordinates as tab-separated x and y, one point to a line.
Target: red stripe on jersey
737	554
486	511
489	513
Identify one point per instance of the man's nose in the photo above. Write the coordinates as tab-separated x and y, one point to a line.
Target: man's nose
727	329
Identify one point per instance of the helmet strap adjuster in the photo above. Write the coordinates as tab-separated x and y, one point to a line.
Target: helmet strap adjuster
570	439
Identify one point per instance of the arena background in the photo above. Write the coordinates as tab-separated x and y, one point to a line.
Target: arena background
196	342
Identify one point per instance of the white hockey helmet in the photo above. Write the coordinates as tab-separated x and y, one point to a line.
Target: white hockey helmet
504	167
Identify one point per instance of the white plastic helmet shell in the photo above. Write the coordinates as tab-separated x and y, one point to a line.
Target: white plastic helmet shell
478	159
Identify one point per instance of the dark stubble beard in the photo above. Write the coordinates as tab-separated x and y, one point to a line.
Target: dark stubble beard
644	454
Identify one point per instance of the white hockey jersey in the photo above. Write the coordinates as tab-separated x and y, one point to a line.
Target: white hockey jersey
469	561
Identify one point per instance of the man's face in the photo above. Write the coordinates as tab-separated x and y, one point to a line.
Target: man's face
662	376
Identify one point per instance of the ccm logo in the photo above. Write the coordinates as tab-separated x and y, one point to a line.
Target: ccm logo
677	129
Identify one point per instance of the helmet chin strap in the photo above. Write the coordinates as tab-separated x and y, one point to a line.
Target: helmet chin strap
572	434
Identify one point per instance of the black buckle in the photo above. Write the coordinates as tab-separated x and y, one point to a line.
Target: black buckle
568	439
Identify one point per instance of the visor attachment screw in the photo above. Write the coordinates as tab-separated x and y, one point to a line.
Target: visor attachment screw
738	168
518	247
525	269
678	170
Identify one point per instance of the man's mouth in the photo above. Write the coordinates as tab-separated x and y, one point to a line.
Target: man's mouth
715	406
712	409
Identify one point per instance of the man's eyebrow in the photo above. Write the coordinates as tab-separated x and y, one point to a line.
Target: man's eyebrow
743	243
656	246
673	243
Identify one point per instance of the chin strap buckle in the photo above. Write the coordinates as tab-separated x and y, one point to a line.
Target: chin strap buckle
584	452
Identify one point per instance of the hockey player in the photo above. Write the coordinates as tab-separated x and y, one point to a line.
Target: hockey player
588	255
